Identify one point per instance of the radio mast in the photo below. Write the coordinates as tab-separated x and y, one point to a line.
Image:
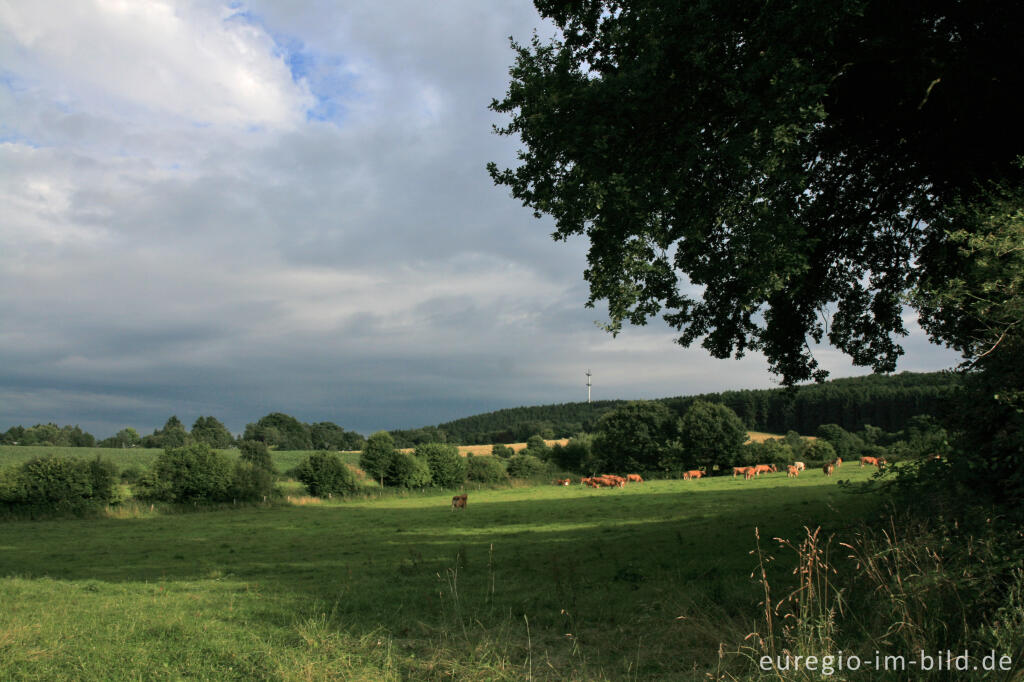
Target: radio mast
588	385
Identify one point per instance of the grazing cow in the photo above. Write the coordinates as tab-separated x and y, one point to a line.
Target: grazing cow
828	468
739	470
792	471
634	478
873	461
764	469
459	502
799	466
694	473
616	481
563	481
749	473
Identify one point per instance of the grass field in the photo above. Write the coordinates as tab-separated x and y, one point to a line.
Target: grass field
644	582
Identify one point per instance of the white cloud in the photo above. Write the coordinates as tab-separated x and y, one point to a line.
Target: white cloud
143	58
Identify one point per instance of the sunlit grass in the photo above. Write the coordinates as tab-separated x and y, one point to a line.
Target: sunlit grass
549	582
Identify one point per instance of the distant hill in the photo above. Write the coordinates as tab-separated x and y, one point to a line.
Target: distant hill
883	401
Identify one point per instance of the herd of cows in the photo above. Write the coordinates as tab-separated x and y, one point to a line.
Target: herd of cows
613	481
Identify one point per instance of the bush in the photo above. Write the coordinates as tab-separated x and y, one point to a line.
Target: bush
486	470
323	473
59	484
820	451
377	455
408	471
525	466
536	447
193	473
711	434
132	474
636	437
256	453
447	466
250	482
502	451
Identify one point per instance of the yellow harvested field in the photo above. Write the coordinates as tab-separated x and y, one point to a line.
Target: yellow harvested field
486	449
759	437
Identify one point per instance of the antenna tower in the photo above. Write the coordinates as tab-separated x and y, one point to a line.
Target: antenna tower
588	385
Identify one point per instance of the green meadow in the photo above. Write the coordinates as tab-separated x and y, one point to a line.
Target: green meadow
650	581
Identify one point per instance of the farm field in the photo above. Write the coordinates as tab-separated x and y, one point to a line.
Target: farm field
547	582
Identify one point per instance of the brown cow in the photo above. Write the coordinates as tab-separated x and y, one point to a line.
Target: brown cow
792	471
828	468
873	461
459	501
799	465
764	469
563	481
693	473
634	478
616	481
739	470
749	473
839	462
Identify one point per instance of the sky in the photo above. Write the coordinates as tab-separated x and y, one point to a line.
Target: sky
232	209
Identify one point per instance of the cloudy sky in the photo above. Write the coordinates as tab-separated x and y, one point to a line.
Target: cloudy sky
232	209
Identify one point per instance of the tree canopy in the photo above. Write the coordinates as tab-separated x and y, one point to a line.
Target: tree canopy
766	176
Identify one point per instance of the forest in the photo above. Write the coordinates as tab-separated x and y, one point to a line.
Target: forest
885	402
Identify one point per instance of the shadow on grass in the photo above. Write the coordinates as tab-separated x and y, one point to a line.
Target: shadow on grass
611	567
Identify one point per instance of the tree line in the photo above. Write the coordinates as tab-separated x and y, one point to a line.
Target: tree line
885	402
276	429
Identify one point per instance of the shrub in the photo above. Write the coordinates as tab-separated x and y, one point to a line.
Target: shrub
711	434
819	452
635	437
59	484
486	470
377	455
525	466
536	447
250	482
192	473
256	453
324	473
447	466
9	493
408	471
132	474
502	451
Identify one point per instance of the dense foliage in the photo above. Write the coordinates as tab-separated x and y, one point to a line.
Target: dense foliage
57	484
211	431
377	453
48	434
190	473
525	466
485	470
323	473
887	402
447	466
794	163
639	436
256	453
172	435
711	435
406	470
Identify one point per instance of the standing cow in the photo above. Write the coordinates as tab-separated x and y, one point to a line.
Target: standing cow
459	502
